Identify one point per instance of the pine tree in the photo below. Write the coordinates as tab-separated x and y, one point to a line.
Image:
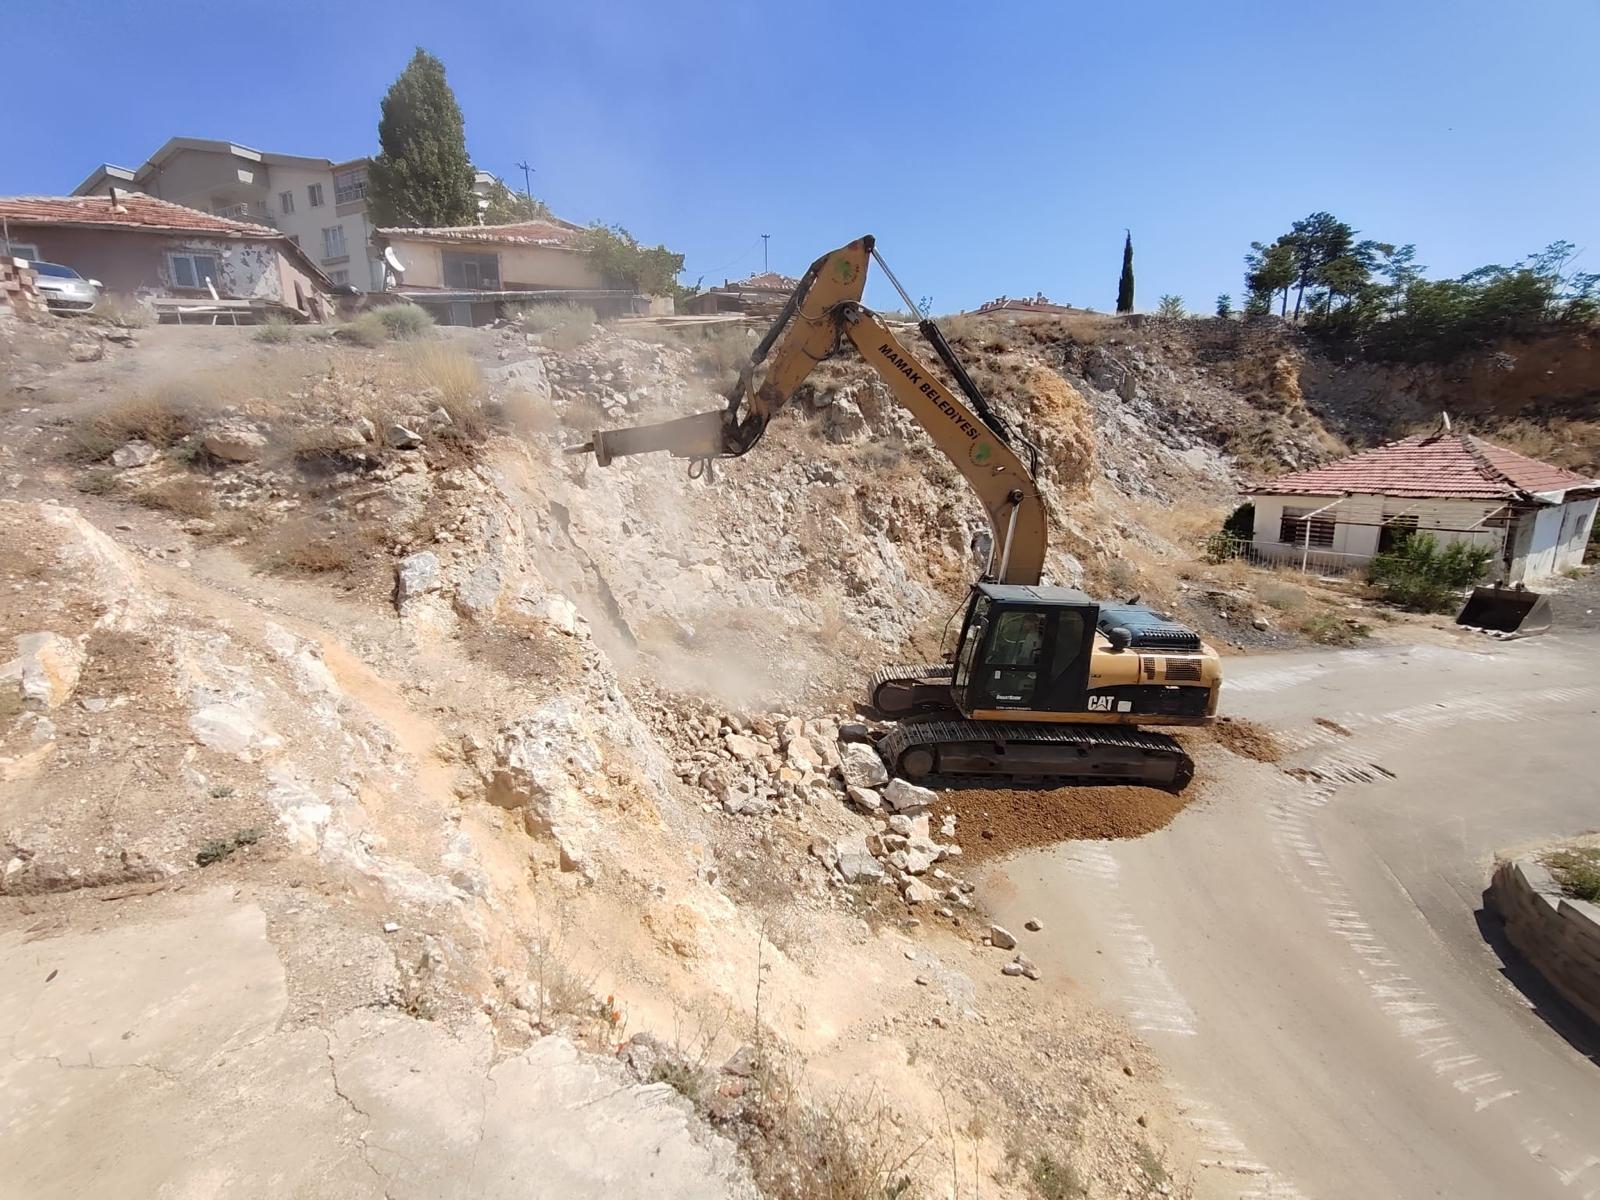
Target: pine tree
422	176
1125	284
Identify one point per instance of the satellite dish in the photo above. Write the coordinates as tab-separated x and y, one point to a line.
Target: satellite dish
394	262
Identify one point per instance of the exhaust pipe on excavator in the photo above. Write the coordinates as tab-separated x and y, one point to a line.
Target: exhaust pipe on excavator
1506	611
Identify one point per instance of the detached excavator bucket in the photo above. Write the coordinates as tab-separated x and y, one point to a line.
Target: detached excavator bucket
1506	610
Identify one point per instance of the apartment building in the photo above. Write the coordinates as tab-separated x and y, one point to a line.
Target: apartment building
319	204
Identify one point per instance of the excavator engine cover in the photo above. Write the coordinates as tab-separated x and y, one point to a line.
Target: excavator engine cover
1512	610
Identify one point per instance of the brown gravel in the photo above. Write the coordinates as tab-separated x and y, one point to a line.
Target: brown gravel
1245	738
991	822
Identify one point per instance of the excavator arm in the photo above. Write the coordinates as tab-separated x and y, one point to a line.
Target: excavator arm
824	309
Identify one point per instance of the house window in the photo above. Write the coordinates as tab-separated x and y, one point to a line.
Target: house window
1293	527
475	272
191	268
25	250
339	276
314	195
333	242
349	185
286	202
1394	531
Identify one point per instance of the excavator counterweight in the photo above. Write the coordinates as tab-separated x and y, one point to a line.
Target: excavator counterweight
1045	681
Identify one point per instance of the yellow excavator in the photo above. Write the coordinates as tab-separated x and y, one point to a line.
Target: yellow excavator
1045	682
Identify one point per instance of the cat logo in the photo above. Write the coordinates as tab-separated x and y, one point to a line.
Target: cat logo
1100	703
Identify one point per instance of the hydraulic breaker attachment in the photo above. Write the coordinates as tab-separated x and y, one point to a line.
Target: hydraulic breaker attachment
698	436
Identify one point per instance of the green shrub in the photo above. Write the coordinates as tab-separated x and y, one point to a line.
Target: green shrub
1578	873
562	327
1330	629
1241	522
276	331
404	320
1419	575
366	330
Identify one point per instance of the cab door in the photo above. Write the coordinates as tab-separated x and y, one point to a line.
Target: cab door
1013	655
1034	659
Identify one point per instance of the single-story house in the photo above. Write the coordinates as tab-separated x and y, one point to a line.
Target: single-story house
137	245
760	295
1039	306
1536	517
470	274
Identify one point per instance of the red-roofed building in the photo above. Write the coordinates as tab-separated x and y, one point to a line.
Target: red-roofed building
760	295
139	245
1535	516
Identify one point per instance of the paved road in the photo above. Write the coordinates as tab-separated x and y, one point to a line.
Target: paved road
1305	953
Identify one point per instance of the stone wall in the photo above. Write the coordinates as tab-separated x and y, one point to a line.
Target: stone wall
1558	936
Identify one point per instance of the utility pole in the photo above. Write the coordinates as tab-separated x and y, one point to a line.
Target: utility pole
527	180
764	238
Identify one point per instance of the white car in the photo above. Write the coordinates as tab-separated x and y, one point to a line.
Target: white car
64	290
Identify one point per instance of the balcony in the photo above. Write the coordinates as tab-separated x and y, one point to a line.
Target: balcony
256	213
350	193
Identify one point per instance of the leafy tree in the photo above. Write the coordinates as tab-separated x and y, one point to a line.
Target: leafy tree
1125	284
1418	574
507	207
1258	304
422	176
624	263
1271	270
1224	306
1171	308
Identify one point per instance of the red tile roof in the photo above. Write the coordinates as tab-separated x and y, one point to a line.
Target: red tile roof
767	281
552	232
1438	464
133	210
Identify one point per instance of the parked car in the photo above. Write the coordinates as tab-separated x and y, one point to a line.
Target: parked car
64	290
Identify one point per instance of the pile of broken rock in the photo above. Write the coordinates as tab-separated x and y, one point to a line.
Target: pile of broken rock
777	764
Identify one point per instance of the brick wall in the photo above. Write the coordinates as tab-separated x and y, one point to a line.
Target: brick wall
1559	937
18	293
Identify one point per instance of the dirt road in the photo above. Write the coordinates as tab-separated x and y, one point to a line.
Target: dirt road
1304	949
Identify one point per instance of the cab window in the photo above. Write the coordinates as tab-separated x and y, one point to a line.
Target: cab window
1018	640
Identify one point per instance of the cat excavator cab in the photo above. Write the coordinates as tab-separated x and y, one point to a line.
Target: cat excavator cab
1045	682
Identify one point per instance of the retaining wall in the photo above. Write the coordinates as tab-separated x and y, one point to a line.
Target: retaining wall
1559	937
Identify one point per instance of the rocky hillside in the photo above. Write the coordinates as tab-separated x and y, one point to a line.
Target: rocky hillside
330	672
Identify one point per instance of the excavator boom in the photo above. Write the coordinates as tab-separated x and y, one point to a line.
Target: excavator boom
825	308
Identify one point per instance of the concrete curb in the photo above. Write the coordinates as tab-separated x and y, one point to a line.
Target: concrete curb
1558	936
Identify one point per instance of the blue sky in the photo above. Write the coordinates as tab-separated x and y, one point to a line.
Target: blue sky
992	148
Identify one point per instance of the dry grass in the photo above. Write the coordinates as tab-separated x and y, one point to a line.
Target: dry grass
1329	628
188	496
562	327
850	1149
455	376
162	423
124	312
310	548
366	330
1281	595
1574	444
1182	524
275	331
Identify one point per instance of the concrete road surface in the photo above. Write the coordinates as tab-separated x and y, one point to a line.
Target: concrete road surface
1305	952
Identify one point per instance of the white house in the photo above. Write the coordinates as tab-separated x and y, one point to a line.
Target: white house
1536	517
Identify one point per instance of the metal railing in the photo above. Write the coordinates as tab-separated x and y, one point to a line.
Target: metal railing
256	214
345	193
1309	560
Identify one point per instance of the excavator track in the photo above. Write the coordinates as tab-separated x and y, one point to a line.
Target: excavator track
1072	753
900	690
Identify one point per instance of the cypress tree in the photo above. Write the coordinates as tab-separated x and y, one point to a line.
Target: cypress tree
1125	284
422	175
